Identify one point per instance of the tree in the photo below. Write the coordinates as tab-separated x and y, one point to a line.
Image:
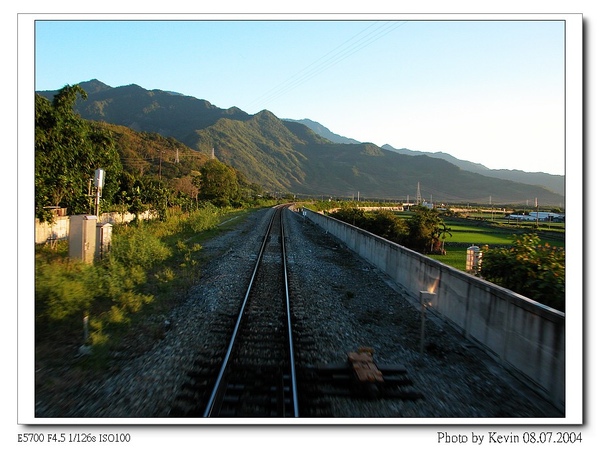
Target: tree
528	268
136	195
443	232
424	229
218	183
68	150
387	225
185	186
354	216
156	195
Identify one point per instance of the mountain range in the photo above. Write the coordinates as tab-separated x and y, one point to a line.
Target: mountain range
555	183
304	157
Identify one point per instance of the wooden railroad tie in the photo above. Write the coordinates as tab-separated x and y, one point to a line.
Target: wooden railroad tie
359	375
364	366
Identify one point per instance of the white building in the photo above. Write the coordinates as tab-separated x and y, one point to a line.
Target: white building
541	216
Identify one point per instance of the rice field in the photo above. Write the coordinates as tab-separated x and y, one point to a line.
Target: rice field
481	234
455	257
478	235
489	229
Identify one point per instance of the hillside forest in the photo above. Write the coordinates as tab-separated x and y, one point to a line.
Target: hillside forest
145	171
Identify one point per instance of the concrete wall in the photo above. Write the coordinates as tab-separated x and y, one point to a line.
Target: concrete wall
525	336
50	232
59	229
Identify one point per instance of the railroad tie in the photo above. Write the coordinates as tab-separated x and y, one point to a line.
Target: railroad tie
364	367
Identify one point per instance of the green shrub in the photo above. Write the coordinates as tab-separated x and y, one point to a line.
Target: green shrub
63	289
148	262
528	268
387	225
138	246
119	283
352	215
204	218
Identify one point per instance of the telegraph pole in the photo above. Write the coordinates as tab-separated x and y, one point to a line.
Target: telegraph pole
98	184
159	164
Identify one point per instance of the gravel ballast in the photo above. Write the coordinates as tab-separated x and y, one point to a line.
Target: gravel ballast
345	304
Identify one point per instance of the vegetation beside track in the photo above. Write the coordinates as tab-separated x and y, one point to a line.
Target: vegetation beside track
150	269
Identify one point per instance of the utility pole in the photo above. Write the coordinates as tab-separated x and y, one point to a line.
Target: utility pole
159	164
98	184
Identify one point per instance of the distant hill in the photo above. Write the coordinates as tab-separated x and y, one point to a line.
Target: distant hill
323	131
287	156
555	183
148	111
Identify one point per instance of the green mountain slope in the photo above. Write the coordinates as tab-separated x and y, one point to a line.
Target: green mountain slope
172	115
555	183
288	156
261	147
323	131
144	153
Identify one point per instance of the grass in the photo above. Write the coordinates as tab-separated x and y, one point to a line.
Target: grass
496	233
455	257
481	233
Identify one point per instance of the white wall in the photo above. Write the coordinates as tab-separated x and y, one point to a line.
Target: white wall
59	230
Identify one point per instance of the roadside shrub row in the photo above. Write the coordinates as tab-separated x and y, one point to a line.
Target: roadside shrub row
530	268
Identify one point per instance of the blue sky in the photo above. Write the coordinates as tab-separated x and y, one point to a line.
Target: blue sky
487	91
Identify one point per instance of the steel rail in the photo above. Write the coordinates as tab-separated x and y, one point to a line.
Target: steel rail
211	402
294	388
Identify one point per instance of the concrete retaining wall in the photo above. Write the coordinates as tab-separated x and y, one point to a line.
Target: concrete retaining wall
59	229
525	336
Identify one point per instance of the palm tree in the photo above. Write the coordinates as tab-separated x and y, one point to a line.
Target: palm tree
444	232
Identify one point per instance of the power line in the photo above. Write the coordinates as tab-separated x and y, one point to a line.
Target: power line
331	61
331	58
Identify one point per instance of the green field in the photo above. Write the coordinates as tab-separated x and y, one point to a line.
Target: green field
477	234
481	233
488	229
455	257
481	230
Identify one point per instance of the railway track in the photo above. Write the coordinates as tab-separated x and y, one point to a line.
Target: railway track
256	376
253	370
